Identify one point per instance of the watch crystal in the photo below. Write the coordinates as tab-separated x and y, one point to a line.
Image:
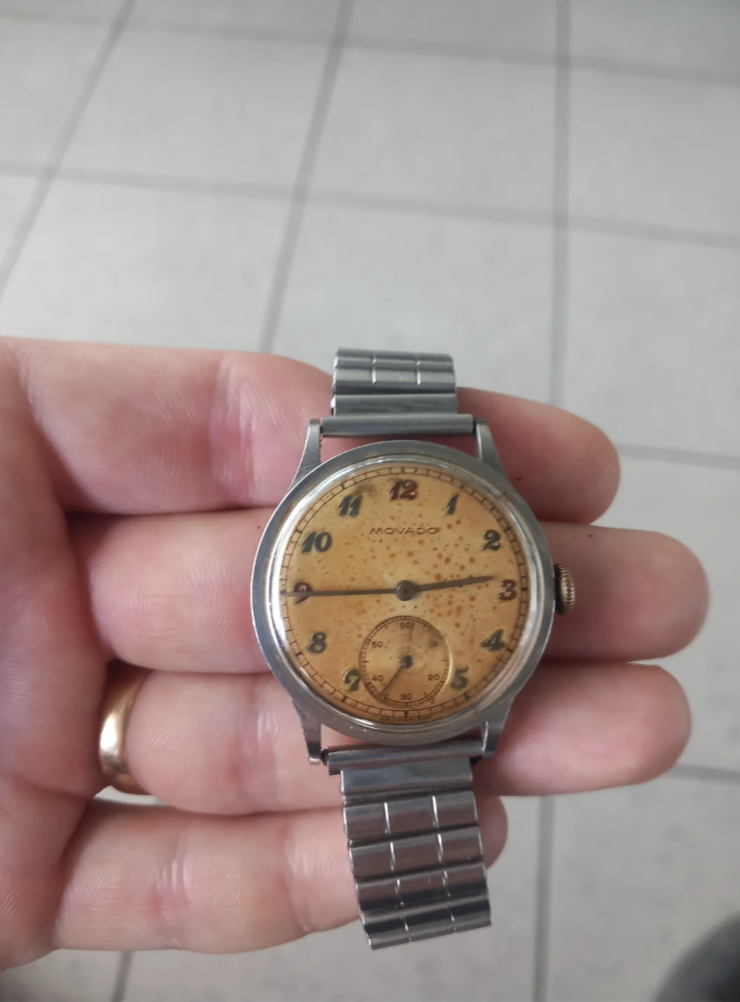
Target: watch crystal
403	591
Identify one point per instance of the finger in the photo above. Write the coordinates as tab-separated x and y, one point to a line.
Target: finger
149	430
51	675
639	595
233	744
578	727
154	878
50	670
173	592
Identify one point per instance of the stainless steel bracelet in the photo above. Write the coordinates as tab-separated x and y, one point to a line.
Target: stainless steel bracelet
409	813
388	382
390	392
414	842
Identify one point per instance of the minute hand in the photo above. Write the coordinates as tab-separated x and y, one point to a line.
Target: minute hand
432	586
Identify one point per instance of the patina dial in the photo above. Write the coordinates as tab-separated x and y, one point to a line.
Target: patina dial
403	591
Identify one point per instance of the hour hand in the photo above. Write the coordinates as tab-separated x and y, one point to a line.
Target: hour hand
308	592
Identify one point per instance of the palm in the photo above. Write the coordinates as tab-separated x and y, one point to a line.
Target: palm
134	490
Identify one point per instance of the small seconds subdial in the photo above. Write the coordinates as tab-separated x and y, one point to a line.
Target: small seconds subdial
404	661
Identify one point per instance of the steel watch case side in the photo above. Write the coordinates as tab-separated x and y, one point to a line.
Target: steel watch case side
486	450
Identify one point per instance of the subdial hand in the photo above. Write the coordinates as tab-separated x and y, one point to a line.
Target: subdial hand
404	662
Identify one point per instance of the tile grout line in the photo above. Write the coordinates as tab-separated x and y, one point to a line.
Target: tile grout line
675	74
714	460
706	773
558	319
440	210
296	211
543	908
72	19
120	983
48	174
179	185
20	170
650	231
558	345
603	64
376	203
510	56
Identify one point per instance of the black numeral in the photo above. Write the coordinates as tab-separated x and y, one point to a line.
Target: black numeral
492	540
509	591
351	679
318	643
320	541
452	505
459	678
495	642
304	588
404	490
351	505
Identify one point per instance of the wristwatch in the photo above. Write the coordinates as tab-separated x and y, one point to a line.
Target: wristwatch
403	593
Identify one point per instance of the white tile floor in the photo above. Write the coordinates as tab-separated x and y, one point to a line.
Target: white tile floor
549	187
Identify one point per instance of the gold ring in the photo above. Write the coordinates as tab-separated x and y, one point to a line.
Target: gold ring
124	682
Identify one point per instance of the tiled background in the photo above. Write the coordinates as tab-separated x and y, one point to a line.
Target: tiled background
548	188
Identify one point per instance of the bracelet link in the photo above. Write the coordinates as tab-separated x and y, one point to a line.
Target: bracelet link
416	853
388	382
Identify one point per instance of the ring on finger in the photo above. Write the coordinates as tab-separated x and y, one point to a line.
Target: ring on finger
124	683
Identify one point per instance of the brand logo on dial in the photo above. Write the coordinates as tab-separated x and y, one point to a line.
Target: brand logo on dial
404	530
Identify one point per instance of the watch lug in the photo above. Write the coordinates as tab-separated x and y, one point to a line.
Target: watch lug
491	729
486	447
312	735
311	457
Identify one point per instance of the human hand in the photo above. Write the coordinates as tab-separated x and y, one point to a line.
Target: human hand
123	475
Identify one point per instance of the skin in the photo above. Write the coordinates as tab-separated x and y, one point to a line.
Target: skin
134	485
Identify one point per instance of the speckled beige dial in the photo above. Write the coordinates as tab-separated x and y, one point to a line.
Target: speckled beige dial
404	591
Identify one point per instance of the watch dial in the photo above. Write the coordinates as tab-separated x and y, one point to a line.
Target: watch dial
404	591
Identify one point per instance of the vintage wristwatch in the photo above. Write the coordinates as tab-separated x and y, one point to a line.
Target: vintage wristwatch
403	593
